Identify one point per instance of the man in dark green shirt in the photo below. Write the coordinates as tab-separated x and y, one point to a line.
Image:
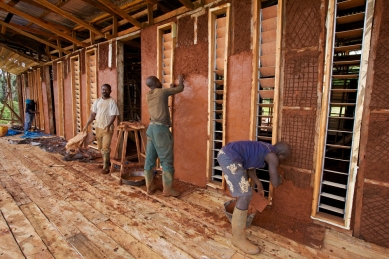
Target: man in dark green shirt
159	137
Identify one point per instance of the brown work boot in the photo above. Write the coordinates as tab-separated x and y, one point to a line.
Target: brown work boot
105	171
149	177
167	180
239	233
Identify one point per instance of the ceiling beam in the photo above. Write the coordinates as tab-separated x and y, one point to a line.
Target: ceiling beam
34	31
41	23
187	3
120	12
19	53
150	14
32	37
71	17
9	15
140	4
99	6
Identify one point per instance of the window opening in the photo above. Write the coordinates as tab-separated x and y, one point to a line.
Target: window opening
267	39
218	49
132	81
344	96
91	84
76	94
60	98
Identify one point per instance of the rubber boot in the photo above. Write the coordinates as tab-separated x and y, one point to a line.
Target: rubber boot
149	177
239	233
167	180
106	162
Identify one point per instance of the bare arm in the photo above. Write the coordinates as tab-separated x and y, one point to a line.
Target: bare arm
90	120
253	176
179	88
273	162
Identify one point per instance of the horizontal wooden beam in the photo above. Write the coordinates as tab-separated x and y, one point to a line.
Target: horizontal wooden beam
41	23
69	16
120	12
187	4
33	37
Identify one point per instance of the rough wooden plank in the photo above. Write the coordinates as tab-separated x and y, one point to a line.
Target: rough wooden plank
24	233
13	189
86	248
128	242
154	239
108	246
55	242
353	246
8	246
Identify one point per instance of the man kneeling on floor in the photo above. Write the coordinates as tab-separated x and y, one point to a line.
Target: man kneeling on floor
239	161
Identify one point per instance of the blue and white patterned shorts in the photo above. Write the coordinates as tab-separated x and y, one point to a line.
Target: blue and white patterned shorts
235	175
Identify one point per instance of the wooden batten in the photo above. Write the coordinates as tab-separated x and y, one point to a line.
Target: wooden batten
268	60
269	24
269	12
268	48
268	36
267	71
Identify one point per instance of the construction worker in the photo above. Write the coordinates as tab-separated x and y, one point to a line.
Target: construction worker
29	114
239	161
159	137
105	111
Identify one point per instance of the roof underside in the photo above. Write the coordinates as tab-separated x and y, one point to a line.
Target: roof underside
37	31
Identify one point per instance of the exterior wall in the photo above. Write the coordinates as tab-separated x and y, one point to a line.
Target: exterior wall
302	61
373	181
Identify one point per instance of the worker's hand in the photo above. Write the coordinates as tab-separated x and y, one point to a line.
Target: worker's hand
261	192
180	79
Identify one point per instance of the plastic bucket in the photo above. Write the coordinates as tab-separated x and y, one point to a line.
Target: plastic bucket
3	130
229	207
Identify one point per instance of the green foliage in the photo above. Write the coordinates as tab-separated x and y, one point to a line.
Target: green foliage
7	112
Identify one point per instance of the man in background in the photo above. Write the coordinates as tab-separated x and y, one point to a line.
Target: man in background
29	114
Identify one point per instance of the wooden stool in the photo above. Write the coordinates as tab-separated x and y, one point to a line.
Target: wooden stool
123	129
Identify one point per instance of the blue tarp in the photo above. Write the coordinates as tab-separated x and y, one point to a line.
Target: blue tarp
31	134
12	132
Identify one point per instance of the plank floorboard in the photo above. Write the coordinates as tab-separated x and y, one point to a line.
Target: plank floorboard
74	211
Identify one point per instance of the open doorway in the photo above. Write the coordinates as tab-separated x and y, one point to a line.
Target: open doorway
132	77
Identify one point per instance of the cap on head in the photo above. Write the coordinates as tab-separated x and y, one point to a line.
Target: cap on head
28	101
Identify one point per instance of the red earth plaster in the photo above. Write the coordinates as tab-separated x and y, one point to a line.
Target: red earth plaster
239	97
190	130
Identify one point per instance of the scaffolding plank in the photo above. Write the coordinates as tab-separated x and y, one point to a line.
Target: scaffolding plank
221	22
345	76
265	94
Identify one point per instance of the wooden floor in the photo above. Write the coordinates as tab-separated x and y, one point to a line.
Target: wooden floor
74	212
